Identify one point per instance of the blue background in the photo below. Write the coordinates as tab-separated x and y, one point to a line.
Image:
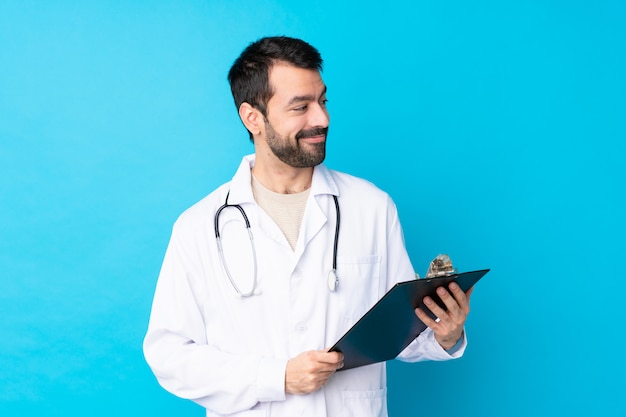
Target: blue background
497	127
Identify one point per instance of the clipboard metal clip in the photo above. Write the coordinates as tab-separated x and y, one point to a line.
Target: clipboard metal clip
441	266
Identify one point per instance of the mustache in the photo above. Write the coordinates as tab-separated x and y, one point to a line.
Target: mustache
309	133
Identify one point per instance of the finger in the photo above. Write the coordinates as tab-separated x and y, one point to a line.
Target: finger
462	298
323	370
330	366
453	304
330	357
425	318
458	294
433	306
339	360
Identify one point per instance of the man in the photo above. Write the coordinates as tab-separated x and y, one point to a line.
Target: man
241	323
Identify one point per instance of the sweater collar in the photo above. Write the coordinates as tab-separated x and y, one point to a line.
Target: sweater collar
241	189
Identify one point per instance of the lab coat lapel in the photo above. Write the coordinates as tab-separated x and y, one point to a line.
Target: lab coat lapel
241	193
319	205
240	185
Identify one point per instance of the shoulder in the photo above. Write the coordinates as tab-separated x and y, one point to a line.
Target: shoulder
200	215
353	187
237	189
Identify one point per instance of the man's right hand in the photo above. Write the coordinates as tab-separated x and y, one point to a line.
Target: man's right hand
309	371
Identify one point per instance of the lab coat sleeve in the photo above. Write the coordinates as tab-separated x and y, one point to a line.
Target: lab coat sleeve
424	347
179	351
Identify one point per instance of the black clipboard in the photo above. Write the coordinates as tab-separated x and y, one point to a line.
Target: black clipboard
391	324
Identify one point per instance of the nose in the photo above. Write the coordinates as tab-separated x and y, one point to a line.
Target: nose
319	115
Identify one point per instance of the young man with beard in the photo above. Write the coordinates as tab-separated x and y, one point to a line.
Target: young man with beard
243	316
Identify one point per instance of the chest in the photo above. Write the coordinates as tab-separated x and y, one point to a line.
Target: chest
294	308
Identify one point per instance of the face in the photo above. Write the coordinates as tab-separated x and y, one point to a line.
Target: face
297	119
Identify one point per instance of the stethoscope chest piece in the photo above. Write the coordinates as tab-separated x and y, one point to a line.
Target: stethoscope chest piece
333	280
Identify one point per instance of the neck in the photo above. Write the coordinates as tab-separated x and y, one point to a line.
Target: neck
281	178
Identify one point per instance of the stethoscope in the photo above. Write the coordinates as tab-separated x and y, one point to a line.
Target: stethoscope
333	279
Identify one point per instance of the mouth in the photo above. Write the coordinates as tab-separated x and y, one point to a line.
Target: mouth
314	139
315	135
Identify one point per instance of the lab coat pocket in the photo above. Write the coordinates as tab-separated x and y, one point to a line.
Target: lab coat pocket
364	403
359	278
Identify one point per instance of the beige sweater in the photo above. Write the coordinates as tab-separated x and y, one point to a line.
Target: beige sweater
286	210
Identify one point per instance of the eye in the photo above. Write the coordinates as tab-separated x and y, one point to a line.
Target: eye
300	108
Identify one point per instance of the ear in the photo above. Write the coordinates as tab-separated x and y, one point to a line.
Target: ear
252	118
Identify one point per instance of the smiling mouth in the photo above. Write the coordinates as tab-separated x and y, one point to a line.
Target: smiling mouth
317	134
314	139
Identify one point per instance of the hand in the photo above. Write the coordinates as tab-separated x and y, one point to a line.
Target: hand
309	371
449	329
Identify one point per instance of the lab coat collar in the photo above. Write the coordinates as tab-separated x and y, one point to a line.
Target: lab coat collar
240	186
241	189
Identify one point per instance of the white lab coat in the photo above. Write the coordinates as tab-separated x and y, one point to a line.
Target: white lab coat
229	353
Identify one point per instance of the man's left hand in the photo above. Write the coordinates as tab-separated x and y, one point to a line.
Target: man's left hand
449	328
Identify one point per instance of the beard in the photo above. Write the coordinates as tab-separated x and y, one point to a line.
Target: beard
293	154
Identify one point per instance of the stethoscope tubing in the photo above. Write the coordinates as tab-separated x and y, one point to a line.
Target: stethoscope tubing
337	222
220	249
254	291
